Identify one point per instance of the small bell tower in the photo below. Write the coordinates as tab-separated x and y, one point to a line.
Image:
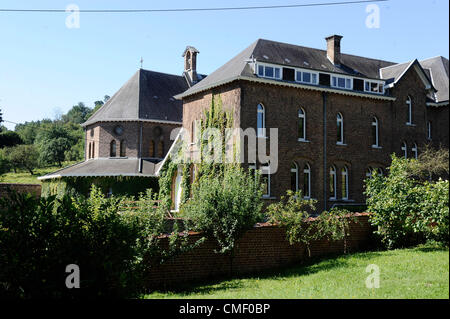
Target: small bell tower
190	65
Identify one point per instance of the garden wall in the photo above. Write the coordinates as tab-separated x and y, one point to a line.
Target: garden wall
34	189
262	248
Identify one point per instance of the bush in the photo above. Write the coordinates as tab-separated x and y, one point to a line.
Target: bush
405	207
40	237
225	205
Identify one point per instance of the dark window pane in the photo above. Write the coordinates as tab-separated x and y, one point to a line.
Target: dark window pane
268	72
260	70
301	127
341	82
358	85
288	74
324	79
306	77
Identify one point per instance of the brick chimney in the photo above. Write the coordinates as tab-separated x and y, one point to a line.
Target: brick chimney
190	64
334	49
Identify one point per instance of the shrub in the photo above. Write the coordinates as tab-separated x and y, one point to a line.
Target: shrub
406	207
225	205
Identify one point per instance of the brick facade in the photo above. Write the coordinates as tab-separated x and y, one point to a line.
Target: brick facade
34	189
262	248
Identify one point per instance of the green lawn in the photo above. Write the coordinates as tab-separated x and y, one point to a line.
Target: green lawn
24	177
421	272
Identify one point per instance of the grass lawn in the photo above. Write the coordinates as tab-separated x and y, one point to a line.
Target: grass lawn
421	272
24	177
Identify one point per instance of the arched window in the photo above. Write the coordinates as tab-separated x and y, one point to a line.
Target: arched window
161	149
93	149
301	125
380	171
429	130
112	149
415	151
332	182
123	148
294	177
177	189
261	121
151	149
375	132
369	172
344	176
89	152
340	128
405	149
307	181
409	118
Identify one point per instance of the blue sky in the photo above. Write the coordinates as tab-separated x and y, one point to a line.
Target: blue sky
45	68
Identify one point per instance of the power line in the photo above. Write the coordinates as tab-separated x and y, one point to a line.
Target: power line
317	4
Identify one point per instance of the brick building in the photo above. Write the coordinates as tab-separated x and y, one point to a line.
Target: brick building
339	116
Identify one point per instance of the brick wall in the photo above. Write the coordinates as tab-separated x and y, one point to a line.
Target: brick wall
34	189
262	248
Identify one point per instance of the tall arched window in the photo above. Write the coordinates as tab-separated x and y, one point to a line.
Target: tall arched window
344	179
161	149
112	149
375	132
177	189
294	177
332	182
89	152
409	118
93	149
429	130
405	149
261	121
123	148
307	181
151	149
340	128
369	172
415	151
301	125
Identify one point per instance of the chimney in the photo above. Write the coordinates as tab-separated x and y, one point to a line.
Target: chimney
190	64
334	49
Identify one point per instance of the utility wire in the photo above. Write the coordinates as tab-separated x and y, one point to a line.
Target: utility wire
317	4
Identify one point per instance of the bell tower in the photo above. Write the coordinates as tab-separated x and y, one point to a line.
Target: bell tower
190	65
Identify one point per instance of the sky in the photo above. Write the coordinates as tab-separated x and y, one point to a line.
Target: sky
46	67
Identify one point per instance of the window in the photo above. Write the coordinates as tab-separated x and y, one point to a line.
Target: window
112	149
301	125
265	180
340	128
93	149
341	82
344	175
371	171
294	177
151	149
123	149
409	117
261	121
414	150
161	149
374	87
269	71
429	130
375	133
307	181
306	77
332	182
177	189
89	153
405	149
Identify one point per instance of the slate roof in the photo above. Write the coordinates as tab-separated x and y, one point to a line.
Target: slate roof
147	95
105	167
285	54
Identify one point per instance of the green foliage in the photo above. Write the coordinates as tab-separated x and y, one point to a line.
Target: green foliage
294	213
224	206
404	207
9	138
113	243
21	157
77	114
53	141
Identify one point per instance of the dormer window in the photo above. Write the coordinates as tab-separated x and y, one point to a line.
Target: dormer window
341	82
306	77
269	71
373	87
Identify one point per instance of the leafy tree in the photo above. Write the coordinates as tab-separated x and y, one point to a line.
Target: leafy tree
29	130
9	138
23	157
77	114
53	142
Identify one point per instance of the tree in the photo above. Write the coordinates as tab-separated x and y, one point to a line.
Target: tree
29	130
77	114
53	142
23	157
9	138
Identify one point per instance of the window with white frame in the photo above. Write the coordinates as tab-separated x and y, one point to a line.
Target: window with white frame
375	132
301	125
405	149
265	178
429	135
268	71
261	121
332	182
294	177
306	77
414	150
342	82
344	180
307	181
340	128
374	87
409	109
